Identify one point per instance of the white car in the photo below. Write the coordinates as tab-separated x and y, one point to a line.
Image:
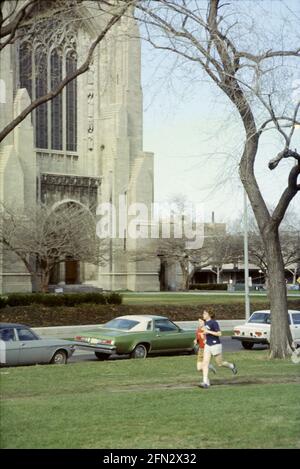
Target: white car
257	329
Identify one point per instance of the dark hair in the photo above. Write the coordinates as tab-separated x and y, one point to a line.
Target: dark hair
211	313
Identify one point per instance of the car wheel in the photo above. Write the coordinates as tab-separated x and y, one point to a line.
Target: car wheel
102	356
247	345
139	351
59	358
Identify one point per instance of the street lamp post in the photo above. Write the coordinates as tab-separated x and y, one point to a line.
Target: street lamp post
111	230
246	258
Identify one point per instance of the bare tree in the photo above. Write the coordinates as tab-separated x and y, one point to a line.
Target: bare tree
217	250
174	250
42	238
251	73
289	240
222	249
22	19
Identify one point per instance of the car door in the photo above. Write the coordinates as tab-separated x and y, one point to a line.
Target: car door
167	336
10	347
32	349
295	327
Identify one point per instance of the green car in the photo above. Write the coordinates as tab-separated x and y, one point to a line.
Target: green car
138	336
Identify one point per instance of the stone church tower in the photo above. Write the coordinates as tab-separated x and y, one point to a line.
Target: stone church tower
85	146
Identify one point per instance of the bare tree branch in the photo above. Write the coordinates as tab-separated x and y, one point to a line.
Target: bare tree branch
22	15
288	194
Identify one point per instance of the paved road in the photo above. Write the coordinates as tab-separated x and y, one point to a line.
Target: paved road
229	345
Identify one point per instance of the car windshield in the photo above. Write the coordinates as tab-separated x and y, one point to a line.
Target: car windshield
296	318
164	325
119	323
260	318
26	334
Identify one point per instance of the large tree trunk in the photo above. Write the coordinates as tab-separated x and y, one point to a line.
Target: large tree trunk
45	277
266	274
190	278
219	270
280	332
185	276
35	282
280	340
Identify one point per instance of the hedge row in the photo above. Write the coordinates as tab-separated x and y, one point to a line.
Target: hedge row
67	299
44	316
209	286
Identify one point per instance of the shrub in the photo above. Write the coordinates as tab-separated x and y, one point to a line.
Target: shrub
3	301
72	299
19	299
114	298
67	299
209	286
51	300
95	298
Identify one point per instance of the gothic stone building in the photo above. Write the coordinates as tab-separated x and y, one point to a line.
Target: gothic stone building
85	146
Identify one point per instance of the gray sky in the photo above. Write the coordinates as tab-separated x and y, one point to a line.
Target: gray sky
197	139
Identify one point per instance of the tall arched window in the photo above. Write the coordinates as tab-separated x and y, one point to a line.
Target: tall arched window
41	69
25	65
71	104
41	112
56	103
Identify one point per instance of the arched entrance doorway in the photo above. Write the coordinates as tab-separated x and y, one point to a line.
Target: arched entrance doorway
76	243
72	272
68	272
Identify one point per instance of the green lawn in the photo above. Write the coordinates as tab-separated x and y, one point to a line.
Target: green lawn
152	403
191	298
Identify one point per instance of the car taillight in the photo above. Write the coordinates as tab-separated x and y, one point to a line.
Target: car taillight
78	337
105	341
237	332
258	334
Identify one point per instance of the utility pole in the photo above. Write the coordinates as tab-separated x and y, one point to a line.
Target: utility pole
111	229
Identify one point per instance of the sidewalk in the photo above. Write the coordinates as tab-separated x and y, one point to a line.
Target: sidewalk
71	331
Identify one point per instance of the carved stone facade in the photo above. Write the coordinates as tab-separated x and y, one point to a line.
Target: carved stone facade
85	146
55	188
